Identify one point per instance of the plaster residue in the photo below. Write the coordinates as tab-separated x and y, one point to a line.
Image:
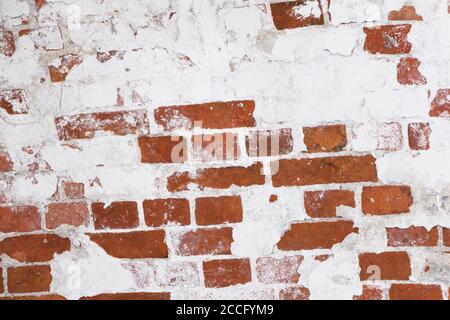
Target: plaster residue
87	270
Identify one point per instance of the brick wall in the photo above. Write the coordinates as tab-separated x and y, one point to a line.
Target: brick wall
224	149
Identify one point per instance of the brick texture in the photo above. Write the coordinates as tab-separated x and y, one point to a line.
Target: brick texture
224	150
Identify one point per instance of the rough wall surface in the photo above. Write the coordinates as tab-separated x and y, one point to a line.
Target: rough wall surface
109	186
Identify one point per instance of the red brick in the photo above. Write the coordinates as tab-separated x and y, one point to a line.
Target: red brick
205	242
34	248
7	47
6	164
294	293
408	72
316	235
225	273
85	126
131	296
419	136
412	237
217	178
388	39
278	270
40	3
370	293
446	235
46	297
13	101
133	245
405	13
385	266
19	219
218	210
216	147
302	172
323	204
118	215
29	279
287	15
67	63
384	200
265	143
73	190
214	115
415	292
161	212
73	214
331	138
163	149
440	107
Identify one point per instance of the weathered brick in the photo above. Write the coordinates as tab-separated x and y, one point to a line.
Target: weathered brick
85	126
294	293
302	172
376	135
412	237
388	39
225	273
40	3
384	200
66	64
118	215
205	242
332	138
13	101
269	143
73	190
73	214
315	235
19	219
440	106
278	270
216	147
295	14
214	115
104	57
163	149
177	274
407	12
6	164
29	279
161	212
446	235
415	292
323	204
7	47
408	72
217	178
133	245
419	136
370	293
385	266
218	210
34	248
